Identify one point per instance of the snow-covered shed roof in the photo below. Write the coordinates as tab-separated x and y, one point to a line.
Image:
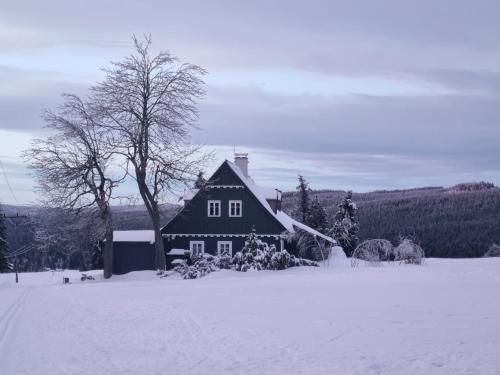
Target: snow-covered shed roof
262	194
134	236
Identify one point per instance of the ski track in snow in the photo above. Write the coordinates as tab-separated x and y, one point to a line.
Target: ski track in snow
8	318
442	318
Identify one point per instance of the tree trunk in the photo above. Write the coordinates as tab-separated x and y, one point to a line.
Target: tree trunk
107	255
160	258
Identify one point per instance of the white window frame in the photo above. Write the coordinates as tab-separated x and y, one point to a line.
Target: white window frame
193	243
215	202
241	208
230	243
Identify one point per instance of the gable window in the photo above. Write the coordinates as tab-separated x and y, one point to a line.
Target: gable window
197	247
235	209
225	247
213	208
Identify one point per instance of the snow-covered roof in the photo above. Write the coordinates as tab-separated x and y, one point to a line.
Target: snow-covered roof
134	236
189	194
262	194
258	191
291	224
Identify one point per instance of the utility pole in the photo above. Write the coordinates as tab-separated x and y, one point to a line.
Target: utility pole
18	251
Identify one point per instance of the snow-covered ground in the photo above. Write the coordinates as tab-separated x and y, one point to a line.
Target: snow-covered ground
441	318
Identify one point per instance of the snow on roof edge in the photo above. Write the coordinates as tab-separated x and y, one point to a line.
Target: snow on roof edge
134	236
282	217
290	223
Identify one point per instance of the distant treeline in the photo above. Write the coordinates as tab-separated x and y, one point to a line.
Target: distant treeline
462	221
57	238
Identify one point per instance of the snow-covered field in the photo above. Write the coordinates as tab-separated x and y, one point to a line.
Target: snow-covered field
441	318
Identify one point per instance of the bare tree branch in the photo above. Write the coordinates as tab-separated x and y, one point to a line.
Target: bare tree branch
148	105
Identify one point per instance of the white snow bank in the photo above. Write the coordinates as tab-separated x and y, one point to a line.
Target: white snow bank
441	318
134	236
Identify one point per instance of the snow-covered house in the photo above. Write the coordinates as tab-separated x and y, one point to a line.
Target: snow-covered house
216	218
219	216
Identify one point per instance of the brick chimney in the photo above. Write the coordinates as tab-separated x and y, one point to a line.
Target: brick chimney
241	161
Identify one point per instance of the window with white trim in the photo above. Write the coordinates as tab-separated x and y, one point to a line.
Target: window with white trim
197	247
235	209
213	208
225	247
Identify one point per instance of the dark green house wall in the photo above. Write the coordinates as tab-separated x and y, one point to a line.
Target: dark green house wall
194	219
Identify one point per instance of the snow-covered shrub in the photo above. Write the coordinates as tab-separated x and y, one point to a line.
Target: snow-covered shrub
297	262
223	261
258	255
254	255
197	266
373	251
279	260
493	251
408	252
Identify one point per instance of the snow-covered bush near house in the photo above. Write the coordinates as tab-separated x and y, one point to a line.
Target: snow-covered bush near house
297	262
197	266
279	260
258	255
493	251
223	261
408	252
373	251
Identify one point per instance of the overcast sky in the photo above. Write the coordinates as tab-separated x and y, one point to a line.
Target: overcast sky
359	95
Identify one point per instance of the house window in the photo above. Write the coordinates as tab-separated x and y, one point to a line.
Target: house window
197	247
225	247
235	209
213	208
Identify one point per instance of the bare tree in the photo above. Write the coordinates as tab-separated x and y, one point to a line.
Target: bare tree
149	104
72	165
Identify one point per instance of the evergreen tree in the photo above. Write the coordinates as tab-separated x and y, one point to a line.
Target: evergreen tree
200	181
303	191
345	227
316	218
4	264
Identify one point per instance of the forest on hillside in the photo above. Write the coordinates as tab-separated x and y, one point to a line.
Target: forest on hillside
457	222
462	221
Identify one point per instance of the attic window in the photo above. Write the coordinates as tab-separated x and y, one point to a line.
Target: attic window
213	208
235	209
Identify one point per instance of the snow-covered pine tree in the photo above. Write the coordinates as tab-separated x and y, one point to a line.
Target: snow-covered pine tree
345	227
200	180
4	264
303	191
316	218
252	255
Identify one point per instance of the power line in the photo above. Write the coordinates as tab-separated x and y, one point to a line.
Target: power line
8	183
23	250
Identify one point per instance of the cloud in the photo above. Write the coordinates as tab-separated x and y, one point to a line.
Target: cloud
354	94
455	126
